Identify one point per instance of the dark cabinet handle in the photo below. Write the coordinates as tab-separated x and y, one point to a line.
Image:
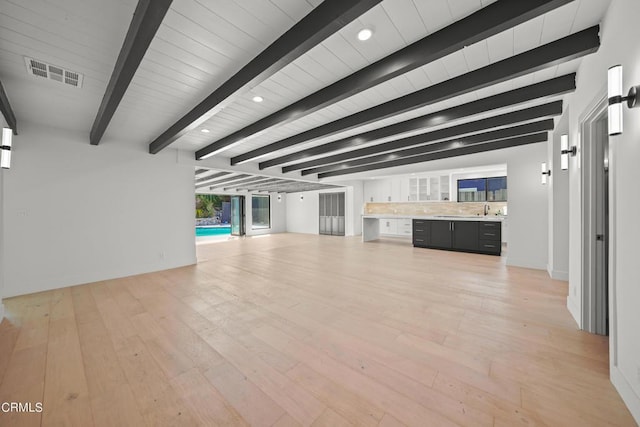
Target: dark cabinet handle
489	234
419	240
489	246
417	229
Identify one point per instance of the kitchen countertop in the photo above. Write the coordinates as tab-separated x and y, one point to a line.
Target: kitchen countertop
497	218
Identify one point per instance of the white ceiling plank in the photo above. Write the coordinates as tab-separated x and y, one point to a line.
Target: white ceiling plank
589	13
477	55
455	64
527	35
435	14
462	8
500	46
558	22
406	19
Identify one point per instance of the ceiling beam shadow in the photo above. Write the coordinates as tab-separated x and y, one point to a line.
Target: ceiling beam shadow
7	111
566	49
455	152
478	138
326	19
484	23
547	88
519	116
145	23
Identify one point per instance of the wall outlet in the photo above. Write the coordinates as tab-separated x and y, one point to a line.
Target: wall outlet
161	255
575	291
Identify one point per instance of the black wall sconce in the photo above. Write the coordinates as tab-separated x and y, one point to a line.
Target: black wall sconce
616	98
545	173
5	148
565	151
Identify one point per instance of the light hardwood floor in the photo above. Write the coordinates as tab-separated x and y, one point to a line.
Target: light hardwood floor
309	330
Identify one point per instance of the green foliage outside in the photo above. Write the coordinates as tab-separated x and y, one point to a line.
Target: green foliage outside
207	204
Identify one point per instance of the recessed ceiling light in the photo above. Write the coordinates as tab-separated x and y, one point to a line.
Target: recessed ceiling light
258	98
205	130
365	34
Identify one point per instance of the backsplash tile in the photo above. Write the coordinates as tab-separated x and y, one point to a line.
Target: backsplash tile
433	208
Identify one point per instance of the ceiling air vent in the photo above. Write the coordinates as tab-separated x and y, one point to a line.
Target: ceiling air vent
53	72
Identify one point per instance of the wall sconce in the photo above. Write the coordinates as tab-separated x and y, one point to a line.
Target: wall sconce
279	198
545	173
565	151
616	99
5	148
301	198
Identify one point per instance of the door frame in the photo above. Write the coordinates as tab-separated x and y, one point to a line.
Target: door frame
587	121
242	207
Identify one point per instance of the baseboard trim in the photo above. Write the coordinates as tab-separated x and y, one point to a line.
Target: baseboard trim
629	396
573	310
559	275
525	263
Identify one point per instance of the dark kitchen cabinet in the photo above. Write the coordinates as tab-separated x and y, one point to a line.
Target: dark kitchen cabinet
441	234
467	236
420	232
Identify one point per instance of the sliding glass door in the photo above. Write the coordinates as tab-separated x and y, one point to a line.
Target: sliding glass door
237	216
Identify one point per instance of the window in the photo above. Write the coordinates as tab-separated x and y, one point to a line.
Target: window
483	189
260	212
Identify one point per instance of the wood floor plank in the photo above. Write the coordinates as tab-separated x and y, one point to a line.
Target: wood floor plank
404	408
300	404
254	405
351	406
292	329
207	405
66	394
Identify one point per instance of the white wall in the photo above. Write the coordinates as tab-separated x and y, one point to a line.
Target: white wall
619	46
528	221
302	214
558	193
76	213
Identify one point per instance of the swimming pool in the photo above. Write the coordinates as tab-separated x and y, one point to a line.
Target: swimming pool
212	231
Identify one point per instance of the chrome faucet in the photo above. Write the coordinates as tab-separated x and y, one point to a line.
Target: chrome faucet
486	209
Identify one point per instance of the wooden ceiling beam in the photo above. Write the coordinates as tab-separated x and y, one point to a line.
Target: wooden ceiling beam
545	110
469	148
323	21
478	138
566	49
145	23
553	87
484	23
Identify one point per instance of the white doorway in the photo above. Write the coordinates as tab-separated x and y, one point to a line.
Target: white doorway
596	234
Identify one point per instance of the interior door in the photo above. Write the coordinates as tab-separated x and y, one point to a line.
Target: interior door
322	214
602	227
341	224
237	216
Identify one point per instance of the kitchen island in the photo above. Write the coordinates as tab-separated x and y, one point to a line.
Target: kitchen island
477	233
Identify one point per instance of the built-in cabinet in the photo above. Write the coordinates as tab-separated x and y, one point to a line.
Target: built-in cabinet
468	236
414	189
331	214
395	227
